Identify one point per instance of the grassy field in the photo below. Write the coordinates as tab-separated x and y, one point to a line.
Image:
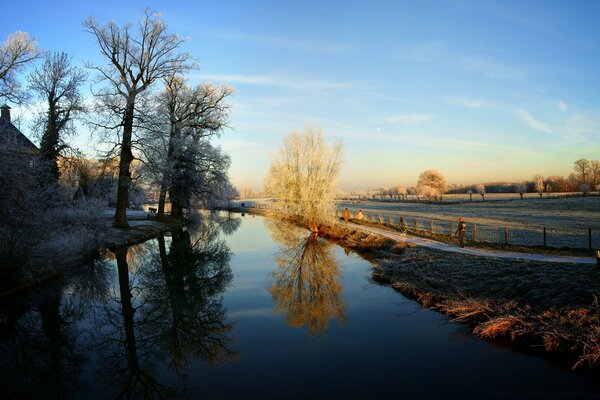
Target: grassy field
566	220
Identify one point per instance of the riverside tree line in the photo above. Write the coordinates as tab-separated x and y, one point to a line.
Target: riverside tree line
155	128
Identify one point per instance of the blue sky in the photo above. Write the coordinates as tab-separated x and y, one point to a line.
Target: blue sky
481	90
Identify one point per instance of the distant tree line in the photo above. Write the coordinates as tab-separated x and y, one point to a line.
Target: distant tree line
432	185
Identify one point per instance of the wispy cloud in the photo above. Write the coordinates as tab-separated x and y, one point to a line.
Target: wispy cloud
419	52
289	82
465	102
532	122
584	125
494	69
312	46
562	106
408	119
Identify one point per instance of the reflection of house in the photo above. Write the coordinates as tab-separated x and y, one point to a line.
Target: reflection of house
11	138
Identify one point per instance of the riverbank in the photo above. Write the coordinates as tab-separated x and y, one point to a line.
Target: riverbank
539	304
142	226
543	307
140	230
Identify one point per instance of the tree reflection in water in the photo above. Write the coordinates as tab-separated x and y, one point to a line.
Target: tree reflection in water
307	283
40	355
171	313
82	337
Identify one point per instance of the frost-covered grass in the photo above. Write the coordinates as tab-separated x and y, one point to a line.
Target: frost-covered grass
539	305
566	220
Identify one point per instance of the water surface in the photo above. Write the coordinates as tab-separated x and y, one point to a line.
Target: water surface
249	308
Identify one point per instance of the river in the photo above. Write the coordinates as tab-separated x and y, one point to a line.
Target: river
245	307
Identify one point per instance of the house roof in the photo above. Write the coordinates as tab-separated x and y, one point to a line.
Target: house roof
11	136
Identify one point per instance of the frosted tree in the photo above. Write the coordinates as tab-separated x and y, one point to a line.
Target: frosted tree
180	110
521	188
432	184
18	50
57	84
548	189
136	60
401	191
480	188
538	184
303	177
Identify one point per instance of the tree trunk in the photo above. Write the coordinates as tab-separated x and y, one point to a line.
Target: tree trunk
49	143
124	173
166	175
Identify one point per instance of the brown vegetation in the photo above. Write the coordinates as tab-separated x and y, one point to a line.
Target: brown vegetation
546	306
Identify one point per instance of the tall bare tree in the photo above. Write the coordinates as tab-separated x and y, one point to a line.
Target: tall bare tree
582	169
595	173
137	59
199	112
57	83
303	177
16	52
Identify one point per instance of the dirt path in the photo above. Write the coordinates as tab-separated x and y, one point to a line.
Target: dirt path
452	248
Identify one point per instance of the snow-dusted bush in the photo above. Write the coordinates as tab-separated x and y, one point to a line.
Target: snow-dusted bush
41	228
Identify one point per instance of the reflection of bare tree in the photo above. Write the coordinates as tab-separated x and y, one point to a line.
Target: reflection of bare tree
170	312
40	356
193	321
127	355
228	222
306	286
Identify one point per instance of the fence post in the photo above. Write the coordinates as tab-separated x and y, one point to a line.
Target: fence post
544	236
379	218
415	223
505	235
402	224
589	238
431	226
451	230
390	220
474	232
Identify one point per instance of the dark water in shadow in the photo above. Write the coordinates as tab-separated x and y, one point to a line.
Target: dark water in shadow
247	308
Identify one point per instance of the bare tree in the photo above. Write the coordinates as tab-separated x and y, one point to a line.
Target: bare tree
521	188
432	184
57	83
538	182
594	172
303	177
470	193
181	110
136	61
480	188
16	52
582	169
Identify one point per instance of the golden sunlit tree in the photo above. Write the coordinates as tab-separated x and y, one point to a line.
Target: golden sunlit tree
304	177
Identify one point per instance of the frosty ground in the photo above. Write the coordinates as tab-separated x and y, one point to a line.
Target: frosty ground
539	302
